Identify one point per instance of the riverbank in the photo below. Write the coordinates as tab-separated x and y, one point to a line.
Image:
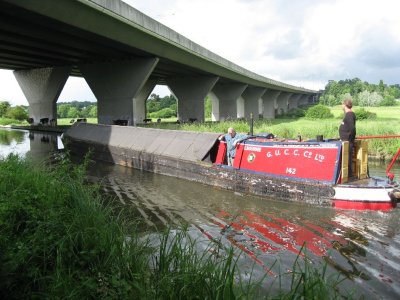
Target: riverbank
45	128
60	239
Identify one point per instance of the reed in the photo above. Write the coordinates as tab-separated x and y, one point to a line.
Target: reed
310	282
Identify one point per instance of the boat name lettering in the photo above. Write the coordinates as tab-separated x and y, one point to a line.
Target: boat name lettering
296	152
252	148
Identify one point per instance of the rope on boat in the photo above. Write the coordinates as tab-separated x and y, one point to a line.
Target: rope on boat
388	136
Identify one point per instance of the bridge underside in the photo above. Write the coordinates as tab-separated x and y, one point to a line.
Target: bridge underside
45	42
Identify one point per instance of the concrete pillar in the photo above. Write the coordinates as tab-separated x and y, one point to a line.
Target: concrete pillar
293	101
224	100
240	107
191	92
42	87
116	85
269	103
282	102
139	102
214	106
304	99
251	97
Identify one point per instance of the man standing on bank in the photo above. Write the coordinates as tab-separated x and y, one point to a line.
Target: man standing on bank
347	130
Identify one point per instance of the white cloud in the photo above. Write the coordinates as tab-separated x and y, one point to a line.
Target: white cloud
301	42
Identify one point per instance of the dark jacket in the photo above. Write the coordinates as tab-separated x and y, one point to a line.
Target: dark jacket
347	130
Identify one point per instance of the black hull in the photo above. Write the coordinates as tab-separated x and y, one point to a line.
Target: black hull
206	173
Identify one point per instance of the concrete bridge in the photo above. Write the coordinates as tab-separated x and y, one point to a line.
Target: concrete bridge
123	54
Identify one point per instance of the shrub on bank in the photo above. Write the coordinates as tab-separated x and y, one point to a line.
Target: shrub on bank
318	112
293	113
362	114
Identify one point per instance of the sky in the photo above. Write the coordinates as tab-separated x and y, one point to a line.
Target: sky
299	42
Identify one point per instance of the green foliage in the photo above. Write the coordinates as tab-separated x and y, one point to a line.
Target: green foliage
163	113
362	93
309	282
318	112
293	113
207	108
4	106
387	122
77	109
362	114
17	113
73	113
367	98
389	100
156	104
7	121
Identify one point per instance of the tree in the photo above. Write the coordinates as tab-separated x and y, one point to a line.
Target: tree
62	110
4	106
381	88
363	93
17	113
92	111
367	98
73	112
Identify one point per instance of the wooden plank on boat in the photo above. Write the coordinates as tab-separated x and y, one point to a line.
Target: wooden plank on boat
362	158
345	162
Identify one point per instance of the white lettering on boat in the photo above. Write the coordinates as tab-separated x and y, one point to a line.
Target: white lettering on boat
296	152
252	148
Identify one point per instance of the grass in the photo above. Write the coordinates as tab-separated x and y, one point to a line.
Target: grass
67	121
58	239
7	121
387	123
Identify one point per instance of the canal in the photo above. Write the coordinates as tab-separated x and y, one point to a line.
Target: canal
363	246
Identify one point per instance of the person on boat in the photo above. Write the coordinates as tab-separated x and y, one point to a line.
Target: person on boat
232	139
347	129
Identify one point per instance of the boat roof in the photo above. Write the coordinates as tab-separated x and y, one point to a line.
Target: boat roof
187	145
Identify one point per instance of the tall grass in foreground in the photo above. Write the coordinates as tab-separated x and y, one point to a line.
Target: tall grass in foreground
59	240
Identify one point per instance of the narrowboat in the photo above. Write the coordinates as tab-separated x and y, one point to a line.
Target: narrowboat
313	172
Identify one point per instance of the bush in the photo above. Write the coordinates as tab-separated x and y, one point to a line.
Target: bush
296	113
17	113
362	114
318	112
163	113
388	101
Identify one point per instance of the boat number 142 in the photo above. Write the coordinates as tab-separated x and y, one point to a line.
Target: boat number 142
291	171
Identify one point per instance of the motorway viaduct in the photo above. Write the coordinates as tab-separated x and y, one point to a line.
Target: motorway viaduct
123	54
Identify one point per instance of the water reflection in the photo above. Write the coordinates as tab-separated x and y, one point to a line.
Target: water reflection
8	137
34	145
363	246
